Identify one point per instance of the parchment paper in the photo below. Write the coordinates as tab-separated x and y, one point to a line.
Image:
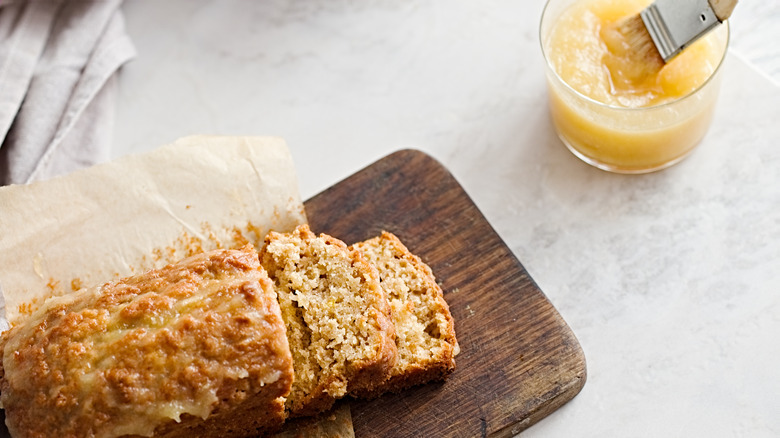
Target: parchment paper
141	212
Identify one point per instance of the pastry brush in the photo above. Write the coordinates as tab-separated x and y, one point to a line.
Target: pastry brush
666	27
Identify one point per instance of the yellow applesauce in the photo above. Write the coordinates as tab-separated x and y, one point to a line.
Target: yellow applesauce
614	112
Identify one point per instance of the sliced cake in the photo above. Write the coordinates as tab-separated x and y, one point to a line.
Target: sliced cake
425	333
338	321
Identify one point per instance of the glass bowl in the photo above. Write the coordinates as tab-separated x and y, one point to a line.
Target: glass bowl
628	140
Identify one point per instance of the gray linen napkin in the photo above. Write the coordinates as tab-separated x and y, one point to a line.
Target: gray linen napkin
58	70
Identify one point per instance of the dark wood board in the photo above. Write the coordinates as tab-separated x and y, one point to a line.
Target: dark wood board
519	360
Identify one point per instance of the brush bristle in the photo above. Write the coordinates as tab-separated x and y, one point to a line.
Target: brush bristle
629	40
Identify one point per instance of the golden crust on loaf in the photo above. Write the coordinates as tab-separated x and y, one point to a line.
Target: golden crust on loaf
201	341
425	332
337	318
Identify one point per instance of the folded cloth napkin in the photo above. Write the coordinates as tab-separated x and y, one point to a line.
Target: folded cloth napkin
58	70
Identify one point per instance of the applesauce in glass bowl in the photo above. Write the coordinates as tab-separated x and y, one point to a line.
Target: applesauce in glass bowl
607	114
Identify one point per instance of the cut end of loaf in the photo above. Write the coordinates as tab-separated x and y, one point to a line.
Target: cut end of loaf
337	318
425	330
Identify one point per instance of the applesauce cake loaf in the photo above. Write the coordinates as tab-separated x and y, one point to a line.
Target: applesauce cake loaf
425	333
338	321
194	349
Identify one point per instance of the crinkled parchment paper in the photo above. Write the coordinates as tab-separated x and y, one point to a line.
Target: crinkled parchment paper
141	212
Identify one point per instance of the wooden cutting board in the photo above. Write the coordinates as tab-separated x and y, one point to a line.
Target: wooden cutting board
519	360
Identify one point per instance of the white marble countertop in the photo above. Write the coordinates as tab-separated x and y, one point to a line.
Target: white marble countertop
671	281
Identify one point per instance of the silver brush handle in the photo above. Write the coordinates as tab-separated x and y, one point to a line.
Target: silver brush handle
675	24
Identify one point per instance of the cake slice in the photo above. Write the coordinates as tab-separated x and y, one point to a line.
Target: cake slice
194	349
338	320
425	333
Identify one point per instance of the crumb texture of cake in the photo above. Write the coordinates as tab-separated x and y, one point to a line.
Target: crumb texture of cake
338	321
425	332
196	348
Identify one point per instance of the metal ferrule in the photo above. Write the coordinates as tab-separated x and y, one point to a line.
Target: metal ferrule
675	24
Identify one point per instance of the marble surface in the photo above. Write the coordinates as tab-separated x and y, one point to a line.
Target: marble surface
671	281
